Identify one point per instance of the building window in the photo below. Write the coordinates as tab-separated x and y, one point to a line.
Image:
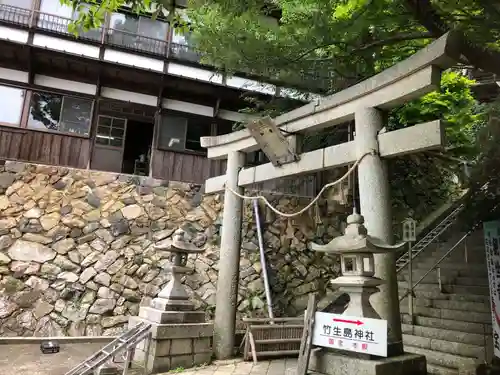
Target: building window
25	4
172	133
54	7
15	11
65	114
182	133
110	131
138	32
224	126
11	105
196	130
56	17
181	46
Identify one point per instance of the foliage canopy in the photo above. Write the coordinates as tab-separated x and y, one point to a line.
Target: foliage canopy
328	45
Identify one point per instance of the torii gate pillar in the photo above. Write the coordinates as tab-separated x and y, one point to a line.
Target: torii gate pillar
375	206
229	262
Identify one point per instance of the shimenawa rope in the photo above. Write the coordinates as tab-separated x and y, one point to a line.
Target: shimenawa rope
327	186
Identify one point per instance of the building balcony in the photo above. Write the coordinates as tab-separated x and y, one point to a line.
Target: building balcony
124	39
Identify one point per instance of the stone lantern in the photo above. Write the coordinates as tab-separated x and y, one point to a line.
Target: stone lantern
180	337
356	249
173	296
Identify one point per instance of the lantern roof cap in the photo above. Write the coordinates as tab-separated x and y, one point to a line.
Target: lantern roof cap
179	243
355	240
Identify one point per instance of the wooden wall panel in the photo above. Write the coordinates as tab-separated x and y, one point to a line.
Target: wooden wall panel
43	148
11	140
175	166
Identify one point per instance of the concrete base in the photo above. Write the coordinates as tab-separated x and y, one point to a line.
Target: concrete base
337	363
158	316
174	345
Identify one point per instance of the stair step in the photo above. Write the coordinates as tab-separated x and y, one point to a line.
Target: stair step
458	315
431	278
462	267
479	306
447	288
466	289
450	347
422	286
444	359
437	295
440	370
469	298
445	334
482	307
477	281
454	325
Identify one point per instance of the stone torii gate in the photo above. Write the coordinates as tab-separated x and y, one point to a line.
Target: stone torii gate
363	103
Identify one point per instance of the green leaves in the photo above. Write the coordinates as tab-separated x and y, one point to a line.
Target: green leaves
423	182
327	45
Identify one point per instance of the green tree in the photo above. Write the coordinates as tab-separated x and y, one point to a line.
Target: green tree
422	182
327	45
338	42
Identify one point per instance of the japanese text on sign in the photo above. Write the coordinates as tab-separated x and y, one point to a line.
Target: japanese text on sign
353	334
491	231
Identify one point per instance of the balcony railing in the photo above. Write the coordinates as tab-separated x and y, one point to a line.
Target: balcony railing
110	36
15	15
136	42
184	53
59	25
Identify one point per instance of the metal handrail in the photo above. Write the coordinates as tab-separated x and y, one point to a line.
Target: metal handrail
455	212
411	288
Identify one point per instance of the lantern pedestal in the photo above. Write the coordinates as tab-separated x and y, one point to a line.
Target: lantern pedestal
359	289
356	249
180	337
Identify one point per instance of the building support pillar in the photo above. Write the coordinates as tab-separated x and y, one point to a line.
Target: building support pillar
375	206
229	262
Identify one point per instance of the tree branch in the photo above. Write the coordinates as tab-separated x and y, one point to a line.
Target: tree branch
394	40
311	50
351	21
481	58
387	41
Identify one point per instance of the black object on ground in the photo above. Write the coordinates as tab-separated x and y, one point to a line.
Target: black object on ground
48	347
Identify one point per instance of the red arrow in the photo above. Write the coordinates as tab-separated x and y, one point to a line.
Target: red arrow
357	322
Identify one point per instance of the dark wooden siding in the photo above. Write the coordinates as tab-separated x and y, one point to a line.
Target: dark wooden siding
175	166
43	148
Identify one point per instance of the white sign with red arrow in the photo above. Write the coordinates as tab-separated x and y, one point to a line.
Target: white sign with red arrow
361	335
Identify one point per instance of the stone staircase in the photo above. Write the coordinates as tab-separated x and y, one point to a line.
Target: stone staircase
452	324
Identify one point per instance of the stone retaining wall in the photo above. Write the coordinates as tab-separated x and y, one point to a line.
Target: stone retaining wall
77	250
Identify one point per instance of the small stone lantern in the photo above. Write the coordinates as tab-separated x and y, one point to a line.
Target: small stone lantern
180	336
356	249
173	296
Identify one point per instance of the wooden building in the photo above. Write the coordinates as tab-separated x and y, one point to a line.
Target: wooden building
130	97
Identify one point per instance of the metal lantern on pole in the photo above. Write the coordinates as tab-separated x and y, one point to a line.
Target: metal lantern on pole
409	236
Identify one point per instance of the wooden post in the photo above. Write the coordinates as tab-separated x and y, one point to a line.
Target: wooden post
305	345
